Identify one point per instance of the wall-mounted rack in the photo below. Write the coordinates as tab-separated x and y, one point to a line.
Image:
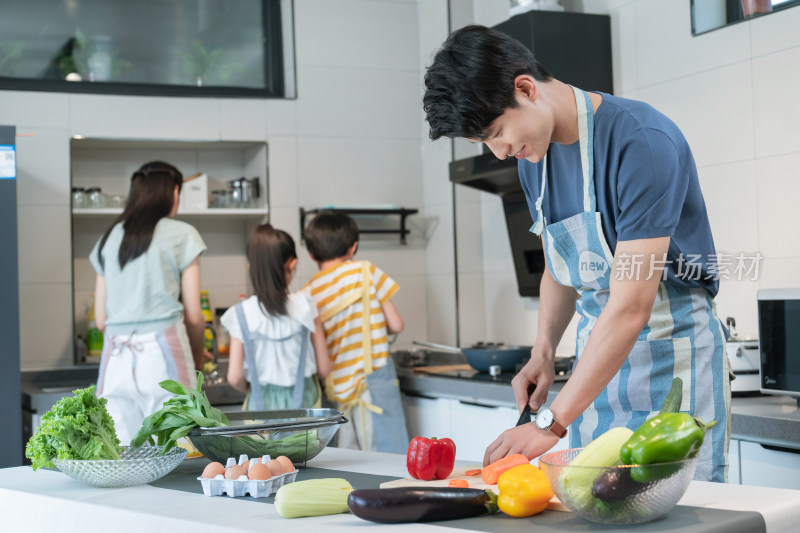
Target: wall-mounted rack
356	211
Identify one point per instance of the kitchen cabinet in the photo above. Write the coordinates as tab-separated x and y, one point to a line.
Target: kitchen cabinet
427	417
769	467
472	426
109	164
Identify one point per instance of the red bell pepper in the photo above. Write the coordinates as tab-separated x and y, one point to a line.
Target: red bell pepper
430	458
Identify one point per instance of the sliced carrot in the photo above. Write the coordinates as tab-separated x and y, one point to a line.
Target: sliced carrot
458	483
473	472
491	473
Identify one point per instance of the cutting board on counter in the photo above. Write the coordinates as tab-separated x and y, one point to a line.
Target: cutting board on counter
438	369
475	482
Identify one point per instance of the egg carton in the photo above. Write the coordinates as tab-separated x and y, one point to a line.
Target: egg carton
242	486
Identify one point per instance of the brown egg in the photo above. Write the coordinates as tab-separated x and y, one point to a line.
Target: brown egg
235	472
286	463
245	465
212	470
259	471
275	467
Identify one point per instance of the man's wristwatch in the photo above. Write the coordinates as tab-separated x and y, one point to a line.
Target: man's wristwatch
546	420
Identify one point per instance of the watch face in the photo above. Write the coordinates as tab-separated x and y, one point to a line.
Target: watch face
544	419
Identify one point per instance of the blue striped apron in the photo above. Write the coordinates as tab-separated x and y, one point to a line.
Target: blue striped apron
683	338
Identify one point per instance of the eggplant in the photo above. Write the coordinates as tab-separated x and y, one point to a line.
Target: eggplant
420	504
615	485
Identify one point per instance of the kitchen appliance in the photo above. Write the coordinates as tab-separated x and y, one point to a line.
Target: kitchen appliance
11	443
779	341
744	360
499	176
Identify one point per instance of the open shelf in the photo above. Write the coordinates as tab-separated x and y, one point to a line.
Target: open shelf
402	212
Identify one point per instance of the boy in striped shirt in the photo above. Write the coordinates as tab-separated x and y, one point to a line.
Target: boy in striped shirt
363	382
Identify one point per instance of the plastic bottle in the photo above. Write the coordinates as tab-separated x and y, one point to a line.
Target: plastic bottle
208	335
94	337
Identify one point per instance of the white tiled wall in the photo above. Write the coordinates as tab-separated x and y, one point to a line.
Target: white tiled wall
352	136
731	91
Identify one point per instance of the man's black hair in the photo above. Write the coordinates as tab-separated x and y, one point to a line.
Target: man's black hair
471	81
330	235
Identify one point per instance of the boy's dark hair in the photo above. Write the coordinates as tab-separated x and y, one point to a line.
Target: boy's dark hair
471	81
329	235
268	252
150	198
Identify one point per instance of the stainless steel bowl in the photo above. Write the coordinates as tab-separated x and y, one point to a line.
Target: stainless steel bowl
299	434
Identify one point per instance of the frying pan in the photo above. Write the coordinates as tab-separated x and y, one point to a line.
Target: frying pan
481	358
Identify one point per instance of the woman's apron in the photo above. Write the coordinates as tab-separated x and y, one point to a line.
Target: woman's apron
389	433
255	400
131	368
683	338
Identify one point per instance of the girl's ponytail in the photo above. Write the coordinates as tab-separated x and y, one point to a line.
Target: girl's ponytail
268	252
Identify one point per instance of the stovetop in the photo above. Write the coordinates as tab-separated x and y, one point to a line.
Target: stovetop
416	358
562	367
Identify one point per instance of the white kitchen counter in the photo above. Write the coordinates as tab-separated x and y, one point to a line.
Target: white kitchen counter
50	501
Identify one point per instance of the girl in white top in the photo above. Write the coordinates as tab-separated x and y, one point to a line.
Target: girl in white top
277	340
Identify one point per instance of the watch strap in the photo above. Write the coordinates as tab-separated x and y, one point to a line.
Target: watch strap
557	429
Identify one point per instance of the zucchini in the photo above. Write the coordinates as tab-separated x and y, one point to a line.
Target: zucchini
672	403
602	452
420	504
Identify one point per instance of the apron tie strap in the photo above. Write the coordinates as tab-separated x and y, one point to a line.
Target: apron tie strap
119	345
347	406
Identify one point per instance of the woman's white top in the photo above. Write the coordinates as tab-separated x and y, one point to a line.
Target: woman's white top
276	362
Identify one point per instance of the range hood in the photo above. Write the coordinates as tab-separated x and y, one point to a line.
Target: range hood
500	176
487	173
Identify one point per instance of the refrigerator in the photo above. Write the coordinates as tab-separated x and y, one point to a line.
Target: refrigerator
11	447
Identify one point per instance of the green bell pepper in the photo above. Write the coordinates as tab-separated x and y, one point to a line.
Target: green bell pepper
666	437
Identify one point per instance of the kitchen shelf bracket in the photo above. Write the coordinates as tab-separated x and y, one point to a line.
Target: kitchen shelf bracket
401	211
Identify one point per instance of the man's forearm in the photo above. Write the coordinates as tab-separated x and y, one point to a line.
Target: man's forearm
556	309
610	342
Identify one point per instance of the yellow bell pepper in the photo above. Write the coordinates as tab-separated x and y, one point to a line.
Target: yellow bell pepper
524	491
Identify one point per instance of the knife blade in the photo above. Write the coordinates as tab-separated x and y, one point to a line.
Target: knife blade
525	415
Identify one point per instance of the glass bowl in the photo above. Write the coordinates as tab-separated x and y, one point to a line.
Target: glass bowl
137	466
299	434
624	494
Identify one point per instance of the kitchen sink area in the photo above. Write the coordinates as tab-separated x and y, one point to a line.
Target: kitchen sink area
218	390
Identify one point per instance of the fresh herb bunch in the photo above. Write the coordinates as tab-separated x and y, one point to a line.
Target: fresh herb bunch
77	427
188	409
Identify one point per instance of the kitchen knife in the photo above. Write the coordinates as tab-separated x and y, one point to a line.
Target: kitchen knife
525	416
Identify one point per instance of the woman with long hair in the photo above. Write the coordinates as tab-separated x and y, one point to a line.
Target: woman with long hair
147	299
277	342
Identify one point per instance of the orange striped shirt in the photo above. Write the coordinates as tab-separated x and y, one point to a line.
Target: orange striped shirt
337	292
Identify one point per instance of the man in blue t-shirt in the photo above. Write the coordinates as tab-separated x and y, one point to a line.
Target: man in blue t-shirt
613	192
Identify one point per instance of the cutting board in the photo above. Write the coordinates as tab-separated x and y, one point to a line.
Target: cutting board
475	482
437	369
